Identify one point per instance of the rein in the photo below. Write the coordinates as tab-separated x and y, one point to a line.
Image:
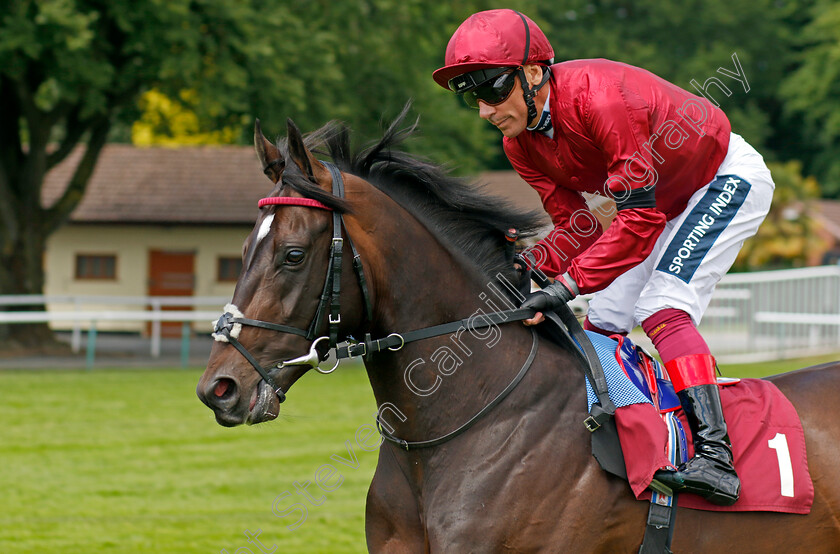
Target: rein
230	324
413	445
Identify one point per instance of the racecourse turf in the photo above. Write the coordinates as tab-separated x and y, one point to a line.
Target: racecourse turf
129	461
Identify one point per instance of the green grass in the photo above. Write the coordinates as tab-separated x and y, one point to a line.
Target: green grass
763	369
130	461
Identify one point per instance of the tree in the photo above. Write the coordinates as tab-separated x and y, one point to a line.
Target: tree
168	122
73	68
366	60
73	72
788	237
813	90
688	41
358	62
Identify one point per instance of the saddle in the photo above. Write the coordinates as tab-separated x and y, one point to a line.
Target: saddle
647	430
637	427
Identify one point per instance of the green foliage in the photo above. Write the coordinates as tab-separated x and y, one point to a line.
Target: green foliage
813	95
684	42
360	62
73	70
98	57
173	122
787	237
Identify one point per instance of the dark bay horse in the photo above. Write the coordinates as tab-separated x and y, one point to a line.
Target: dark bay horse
522	478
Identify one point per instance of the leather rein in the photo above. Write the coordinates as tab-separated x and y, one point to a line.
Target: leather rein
229	325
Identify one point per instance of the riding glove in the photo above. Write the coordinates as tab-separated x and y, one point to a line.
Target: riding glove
553	296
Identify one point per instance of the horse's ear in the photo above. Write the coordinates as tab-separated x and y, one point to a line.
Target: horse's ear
297	149
270	157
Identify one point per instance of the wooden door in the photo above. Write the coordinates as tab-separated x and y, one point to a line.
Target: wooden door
171	273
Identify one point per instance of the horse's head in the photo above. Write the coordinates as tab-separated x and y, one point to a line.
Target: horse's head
412	225
286	298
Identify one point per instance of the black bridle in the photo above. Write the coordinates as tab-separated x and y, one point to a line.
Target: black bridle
329	304
226	329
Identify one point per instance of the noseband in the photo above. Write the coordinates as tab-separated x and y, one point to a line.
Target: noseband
229	325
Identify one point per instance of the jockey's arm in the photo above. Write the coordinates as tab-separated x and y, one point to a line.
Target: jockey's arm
620	129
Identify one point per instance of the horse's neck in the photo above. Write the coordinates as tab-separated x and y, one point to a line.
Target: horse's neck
433	386
437	384
416	281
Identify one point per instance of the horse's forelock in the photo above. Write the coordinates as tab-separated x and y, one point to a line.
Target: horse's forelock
294	178
451	207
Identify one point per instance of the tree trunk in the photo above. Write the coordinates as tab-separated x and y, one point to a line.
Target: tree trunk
22	272
24	233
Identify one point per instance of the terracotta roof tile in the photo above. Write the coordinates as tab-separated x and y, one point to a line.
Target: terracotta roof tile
166	185
198	185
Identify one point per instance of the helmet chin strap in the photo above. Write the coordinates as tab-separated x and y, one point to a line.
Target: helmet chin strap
529	92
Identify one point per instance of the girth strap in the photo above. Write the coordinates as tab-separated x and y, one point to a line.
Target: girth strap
660	528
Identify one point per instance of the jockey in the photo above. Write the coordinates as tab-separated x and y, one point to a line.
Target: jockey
687	190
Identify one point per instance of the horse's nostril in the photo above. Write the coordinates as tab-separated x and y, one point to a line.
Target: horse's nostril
221	387
224	389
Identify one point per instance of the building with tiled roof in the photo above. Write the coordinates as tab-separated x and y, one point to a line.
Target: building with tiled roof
171	222
183	186
155	222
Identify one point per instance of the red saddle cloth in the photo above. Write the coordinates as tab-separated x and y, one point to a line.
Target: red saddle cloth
768	445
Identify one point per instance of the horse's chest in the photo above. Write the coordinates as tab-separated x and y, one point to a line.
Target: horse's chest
495	498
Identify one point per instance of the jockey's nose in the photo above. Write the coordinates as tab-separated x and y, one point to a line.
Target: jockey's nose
485	111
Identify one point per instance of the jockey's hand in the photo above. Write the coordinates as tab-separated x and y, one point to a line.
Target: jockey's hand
552	297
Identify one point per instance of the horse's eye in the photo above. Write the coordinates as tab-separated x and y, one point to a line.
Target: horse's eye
294	257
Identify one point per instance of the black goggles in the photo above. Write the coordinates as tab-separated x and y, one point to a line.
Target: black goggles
491	86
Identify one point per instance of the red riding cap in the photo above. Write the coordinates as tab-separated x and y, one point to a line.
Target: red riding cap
493	38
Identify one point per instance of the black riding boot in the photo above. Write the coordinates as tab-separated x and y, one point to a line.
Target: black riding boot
710	472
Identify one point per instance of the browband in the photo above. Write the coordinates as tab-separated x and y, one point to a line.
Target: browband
292	201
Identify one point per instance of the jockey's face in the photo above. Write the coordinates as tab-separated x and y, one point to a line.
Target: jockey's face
511	116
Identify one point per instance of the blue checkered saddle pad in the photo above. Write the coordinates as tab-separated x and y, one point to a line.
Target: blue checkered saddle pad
635	377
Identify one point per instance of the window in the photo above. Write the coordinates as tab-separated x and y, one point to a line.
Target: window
229	268
96	266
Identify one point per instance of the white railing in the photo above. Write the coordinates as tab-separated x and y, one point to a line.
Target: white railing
85	313
775	314
751	317
768	315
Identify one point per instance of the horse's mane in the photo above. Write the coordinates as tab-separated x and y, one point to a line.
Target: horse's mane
461	214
